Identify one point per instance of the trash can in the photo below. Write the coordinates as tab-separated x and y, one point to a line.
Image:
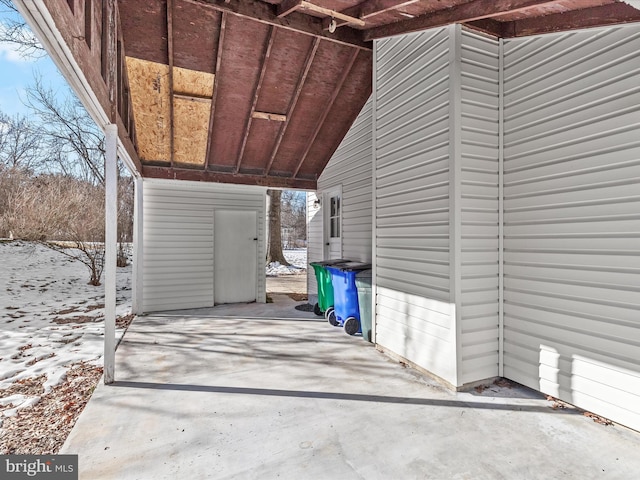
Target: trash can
345	295
363	285
325	289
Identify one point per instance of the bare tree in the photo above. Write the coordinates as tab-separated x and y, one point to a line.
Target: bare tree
74	142
20	143
294	218
15	31
61	212
274	248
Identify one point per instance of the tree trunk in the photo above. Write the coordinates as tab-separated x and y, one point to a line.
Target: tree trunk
274	248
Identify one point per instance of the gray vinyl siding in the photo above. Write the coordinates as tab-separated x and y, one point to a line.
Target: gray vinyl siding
351	167
178	240
572	218
479	206
415	319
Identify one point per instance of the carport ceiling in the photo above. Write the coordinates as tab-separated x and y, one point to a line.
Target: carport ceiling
262	92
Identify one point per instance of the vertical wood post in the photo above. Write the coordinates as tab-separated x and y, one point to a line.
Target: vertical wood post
110	244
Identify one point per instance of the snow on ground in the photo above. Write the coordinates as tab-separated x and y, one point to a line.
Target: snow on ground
298	260
51	318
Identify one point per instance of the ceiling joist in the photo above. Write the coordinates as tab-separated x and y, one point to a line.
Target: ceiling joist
223	22
199	175
613	14
256	94
467	12
170	62
290	6
295	21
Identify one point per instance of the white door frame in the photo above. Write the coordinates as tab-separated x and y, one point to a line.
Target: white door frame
326	224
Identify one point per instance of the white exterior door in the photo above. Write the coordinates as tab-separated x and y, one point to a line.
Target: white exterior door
332	206
235	246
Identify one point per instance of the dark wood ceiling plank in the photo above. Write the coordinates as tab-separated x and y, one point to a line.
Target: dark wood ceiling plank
294	100
195	36
329	104
223	22
296	21
349	103
198	175
466	12
170	61
617	13
256	93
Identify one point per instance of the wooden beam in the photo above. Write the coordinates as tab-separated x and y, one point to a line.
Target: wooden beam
371	8
331	13
276	117
327	109
490	26
294	100
288	6
256	93
612	14
223	23
192	98
170	62
467	12
199	175
298	22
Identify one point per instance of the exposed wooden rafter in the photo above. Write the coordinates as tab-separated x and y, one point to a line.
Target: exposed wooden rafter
223	23
327	109
276	117
613	14
199	175
290	6
294	100
371	8
170	62
466	12
296	21
256	94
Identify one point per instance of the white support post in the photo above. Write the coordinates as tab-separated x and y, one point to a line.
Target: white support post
110	245
136	294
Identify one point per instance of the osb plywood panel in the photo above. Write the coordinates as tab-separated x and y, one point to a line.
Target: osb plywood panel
191	123
190	82
149	84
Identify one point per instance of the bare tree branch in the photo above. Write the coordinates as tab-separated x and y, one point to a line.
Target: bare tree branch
18	33
74	140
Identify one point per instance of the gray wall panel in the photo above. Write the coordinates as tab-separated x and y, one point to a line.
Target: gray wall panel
572	218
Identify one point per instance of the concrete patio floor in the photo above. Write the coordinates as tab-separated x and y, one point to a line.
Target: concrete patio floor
265	391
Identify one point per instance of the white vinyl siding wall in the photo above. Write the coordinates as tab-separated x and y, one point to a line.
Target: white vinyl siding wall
411	106
178	251
350	167
479	206
572	218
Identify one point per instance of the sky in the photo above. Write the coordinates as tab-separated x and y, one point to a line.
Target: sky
17	73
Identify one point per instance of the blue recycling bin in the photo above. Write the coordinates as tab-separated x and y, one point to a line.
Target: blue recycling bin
346	311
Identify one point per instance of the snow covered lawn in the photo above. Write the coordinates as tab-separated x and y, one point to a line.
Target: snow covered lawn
298	260
52	324
51	345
